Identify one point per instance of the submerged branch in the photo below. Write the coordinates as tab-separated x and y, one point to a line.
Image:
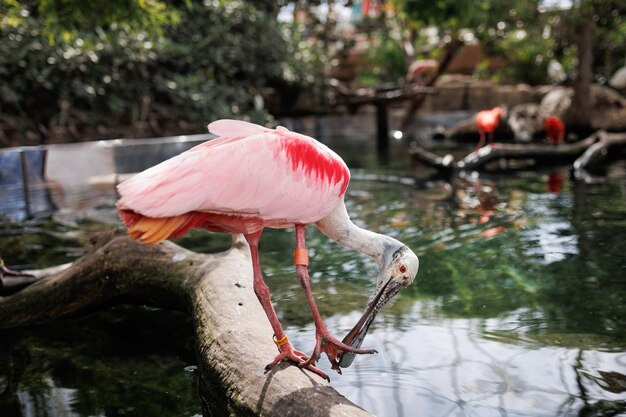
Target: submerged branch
233	338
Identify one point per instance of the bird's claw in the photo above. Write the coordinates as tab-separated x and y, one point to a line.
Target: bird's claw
333	348
287	352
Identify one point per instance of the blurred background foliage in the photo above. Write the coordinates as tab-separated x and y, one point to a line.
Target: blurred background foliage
142	62
74	70
527	34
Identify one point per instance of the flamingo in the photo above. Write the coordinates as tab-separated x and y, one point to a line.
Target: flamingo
250	178
486	122
555	130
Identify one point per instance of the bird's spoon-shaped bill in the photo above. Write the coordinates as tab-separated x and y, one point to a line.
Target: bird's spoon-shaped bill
356	336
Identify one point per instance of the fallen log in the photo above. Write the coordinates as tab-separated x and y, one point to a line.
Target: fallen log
13	282
233	338
535	152
509	156
444	164
596	154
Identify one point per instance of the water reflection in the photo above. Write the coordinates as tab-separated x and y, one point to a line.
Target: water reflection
464	367
553	237
518	309
108	364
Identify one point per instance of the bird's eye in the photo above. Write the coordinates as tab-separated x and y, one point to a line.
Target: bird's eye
402	269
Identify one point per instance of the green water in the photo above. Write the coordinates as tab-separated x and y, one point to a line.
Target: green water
110	364
520	302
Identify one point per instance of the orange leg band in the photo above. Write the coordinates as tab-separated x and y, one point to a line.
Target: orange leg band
301	256
281	341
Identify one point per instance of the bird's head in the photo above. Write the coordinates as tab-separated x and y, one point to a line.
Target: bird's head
399	268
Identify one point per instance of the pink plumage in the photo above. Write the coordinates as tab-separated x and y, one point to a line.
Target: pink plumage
486	123
487	120
555	130
248	178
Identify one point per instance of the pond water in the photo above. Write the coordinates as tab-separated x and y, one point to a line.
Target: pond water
518	308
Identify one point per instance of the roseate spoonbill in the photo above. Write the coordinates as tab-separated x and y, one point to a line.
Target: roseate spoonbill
555	130
419	68
486	122
252	177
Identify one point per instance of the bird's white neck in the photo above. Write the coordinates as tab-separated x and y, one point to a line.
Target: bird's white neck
338	226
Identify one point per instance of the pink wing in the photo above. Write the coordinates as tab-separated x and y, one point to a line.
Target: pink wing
235	128
276	175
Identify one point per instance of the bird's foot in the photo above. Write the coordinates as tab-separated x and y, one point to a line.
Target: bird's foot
333	348
287	352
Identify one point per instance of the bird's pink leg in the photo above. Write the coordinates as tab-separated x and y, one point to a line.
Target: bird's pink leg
490	137
324	341
262	292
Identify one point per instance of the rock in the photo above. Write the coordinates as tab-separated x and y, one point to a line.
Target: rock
608	111
618	80
524	121
608	107
557	102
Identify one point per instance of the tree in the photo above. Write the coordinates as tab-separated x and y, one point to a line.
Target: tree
580	111
72	71
530	34
68	18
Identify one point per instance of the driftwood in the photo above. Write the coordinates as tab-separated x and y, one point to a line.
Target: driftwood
444	163
535	152
514	155
233	338
596	154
